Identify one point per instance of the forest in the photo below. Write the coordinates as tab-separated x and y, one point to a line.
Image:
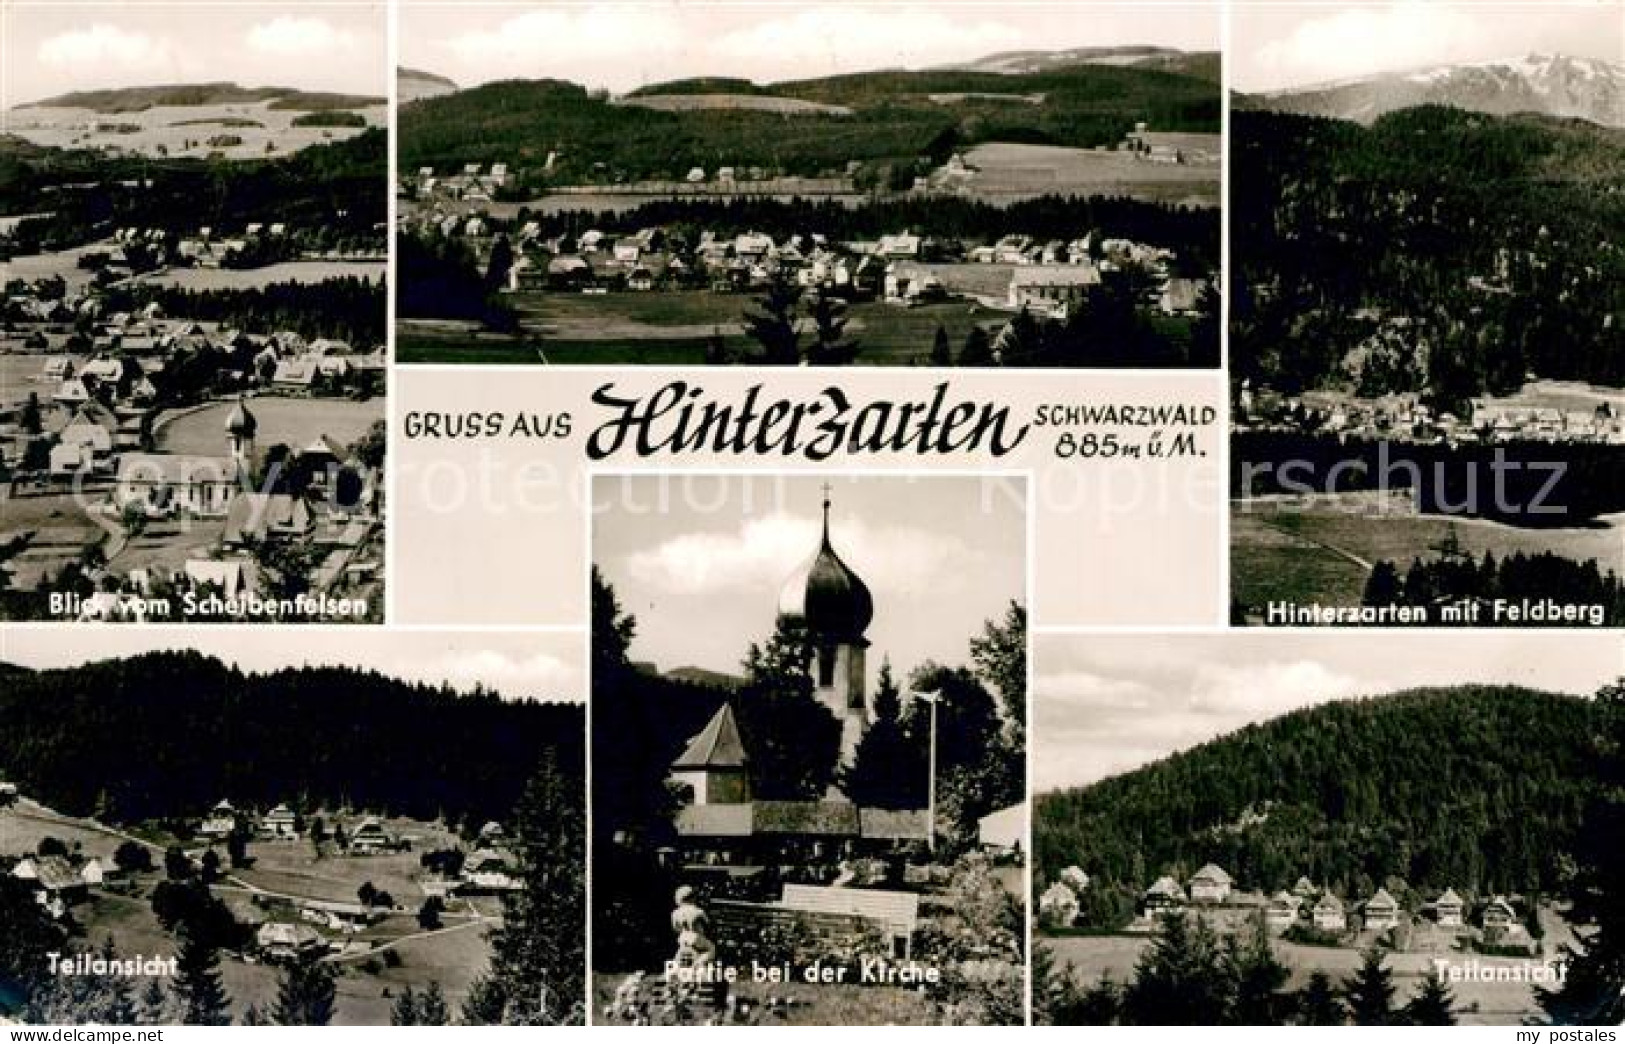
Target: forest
1416	791
1495	240
348	308
167	734
1453	579
893	120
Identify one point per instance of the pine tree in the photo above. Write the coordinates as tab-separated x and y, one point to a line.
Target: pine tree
1182	979
831	346
1370	992
202	996
404	1012
940	353
120	1007
306	995
154	1009
1593	989
1259	977
537	956
888	768
1318	1003
1433	1004
432	1009
773	324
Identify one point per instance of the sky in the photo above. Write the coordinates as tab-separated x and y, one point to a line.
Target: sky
51	49
518	665
1106	704
621	45
700	560
1293	45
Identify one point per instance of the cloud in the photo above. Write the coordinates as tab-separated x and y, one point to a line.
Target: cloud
103	47
1362	40
515	676
290	37
841	38
763	552
601	43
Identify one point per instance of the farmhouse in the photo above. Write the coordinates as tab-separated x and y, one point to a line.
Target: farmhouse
1304	889
487	870
369	838
1055	291
1447	909
1282	911
280	824
1329	915
288	942
221	821
1210	885
1499	916
1164	896
1381	911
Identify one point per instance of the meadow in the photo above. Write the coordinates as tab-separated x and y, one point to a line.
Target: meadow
183	130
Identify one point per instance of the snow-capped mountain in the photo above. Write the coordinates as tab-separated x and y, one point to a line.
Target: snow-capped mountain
1553	84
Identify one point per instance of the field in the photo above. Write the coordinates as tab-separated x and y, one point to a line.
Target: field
824	1005
182	130
61	528
64	263
20	374
1480	1004
453	957
253	278
1321	549
1004	173
756	102
673	328
292	422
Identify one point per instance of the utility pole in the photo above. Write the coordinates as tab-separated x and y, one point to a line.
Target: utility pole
931	773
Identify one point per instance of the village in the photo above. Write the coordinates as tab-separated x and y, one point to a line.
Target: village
158	465
389	903
1543	412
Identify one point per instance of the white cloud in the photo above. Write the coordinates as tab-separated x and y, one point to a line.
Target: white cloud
102	47
1362	40
515	676
764	551
596	44
843	39
290	37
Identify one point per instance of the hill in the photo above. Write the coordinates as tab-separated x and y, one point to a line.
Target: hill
139	99
1202	64
1472	787
885	118
414	85
1492	237
170	733
1547	84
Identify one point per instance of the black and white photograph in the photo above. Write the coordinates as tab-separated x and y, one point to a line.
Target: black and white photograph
832	184
809	750
1427	314
194	232
222	827
1270	828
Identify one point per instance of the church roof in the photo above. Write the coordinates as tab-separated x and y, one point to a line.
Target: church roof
717	746
826	595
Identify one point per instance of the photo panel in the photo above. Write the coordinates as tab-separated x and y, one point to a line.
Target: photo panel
809	749
969	185
193	359
1427	315
1296	828
214	826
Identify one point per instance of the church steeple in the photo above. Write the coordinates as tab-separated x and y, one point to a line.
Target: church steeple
833	603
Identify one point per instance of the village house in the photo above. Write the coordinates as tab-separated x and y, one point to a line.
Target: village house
1164	896
1329	915
1304	889
279	941
1282	911
1053	291
280	824
1210	885
487	870
1381	912
220	822
369	838
1499	917
1447	909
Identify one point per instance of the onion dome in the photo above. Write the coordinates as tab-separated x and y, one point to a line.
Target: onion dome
826	595
241	422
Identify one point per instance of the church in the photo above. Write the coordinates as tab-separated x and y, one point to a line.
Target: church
719	819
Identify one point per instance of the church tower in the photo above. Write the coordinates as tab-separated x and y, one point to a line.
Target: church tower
835	606
240	429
